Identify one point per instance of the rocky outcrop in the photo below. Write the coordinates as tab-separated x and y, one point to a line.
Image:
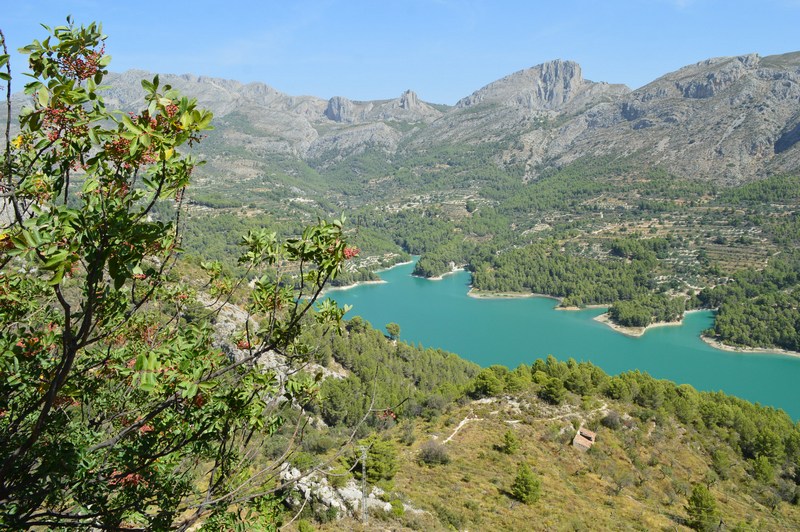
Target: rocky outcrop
723	73
346	500
409	101
728	119
550	86
340	109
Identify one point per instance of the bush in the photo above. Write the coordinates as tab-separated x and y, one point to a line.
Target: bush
398	509
407	436
721	462
338	477
449	517
612	421
305	526
434	453
526	487
510	443
762	470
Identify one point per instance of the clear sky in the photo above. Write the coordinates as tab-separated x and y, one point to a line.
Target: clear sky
442	49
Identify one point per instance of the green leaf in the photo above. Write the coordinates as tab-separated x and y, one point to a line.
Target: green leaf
58	275
148	382
43	96
93	136
55	259
141	362
90	184
128	123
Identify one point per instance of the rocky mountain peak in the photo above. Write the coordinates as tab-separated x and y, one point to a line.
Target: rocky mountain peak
409	100
548	86
340	109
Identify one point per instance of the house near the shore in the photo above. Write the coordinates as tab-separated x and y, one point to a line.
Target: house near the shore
584	439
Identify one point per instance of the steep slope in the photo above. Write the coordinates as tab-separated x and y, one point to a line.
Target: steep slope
524	106
727	119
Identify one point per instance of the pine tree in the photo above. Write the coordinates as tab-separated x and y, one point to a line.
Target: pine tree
510	443
702	509
526	487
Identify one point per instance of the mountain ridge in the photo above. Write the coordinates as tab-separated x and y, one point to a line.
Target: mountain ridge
728	119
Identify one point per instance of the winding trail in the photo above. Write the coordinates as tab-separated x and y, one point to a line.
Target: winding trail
463	422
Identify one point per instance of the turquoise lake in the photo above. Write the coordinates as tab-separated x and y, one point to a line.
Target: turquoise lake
513	331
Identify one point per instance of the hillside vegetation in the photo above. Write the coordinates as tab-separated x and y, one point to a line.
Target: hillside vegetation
454	463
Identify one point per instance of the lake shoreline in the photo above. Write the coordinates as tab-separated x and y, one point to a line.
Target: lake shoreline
395	265
716	344
491	294
351	286
634	332
361	283
442	276
526	328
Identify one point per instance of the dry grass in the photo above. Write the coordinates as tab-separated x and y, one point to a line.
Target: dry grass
633	479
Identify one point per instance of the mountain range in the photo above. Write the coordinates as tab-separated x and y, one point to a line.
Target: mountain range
729	119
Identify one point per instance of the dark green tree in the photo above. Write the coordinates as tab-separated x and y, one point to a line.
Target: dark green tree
381	459
553	391
487	384
510	442
394	330
702	509
526	487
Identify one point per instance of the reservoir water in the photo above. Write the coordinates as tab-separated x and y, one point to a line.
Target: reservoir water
513	331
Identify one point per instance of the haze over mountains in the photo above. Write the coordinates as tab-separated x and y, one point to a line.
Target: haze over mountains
730	119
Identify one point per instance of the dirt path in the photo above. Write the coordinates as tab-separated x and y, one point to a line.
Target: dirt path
470	417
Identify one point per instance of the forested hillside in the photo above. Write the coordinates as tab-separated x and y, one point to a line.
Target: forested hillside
453	460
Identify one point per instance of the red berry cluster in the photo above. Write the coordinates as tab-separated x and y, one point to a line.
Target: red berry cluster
131	479
351	252
60	122
82	65
119	152
119	148
243	344
388	413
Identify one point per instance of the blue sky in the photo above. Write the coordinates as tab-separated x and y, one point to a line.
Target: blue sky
442	49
